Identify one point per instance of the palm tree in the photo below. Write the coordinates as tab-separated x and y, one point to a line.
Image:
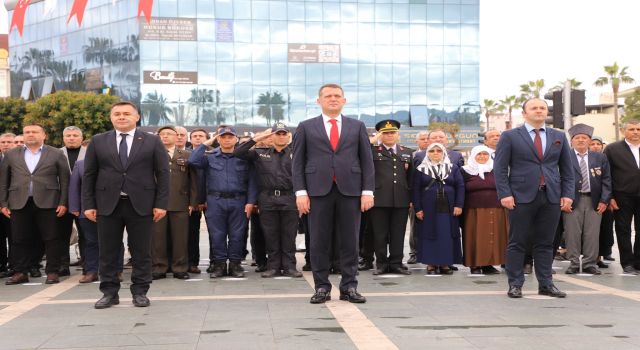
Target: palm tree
200	98
531	89
490	107
158	109
615	76
271	106
508	103
62	71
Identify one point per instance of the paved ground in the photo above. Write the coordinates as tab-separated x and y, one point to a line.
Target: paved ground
405	312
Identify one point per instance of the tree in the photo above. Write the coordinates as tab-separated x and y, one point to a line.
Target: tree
451	128
531	89
615	76
490	107
12	111
508	103
156	105
88	111
632	107
271	106
200	97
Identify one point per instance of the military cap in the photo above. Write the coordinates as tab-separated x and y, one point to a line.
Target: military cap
170	127
388	125
279	126
227	130
581	129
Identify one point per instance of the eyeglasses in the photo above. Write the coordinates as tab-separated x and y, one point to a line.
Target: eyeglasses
435	151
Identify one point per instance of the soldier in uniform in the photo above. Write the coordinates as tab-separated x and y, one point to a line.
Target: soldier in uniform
390	212
277	202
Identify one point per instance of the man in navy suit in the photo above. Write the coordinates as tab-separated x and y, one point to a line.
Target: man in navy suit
535	180
333	178
592	195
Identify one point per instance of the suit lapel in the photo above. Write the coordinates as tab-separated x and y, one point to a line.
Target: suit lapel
575	162
23	162
319	124
629	153
43	155
112	148
550	134
343	132
138	140
527	139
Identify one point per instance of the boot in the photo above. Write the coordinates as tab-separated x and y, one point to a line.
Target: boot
235	269
219	270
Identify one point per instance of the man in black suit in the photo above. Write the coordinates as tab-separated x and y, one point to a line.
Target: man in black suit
333	178
125	185
625	171
592	193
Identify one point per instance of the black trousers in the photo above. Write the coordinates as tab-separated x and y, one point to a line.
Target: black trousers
194	237
606	233
629	208
5	242
366	238
279	228
139	233
532	227
334	217
65	226
29	225
389	226
258	248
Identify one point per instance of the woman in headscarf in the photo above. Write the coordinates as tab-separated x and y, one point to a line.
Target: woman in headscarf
485	225
438	198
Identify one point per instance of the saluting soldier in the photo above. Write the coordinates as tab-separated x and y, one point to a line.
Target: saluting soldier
390	212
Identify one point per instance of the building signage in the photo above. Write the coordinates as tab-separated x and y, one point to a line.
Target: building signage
169	29
4	51
224	30
170	77
313	53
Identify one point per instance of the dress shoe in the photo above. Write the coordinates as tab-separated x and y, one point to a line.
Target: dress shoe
399	270
432	272
306	267
107	301
219	270
572	270
320	296
181	275
446	270
158	275
453	268
351	295
592	270
527	269
140	300
602	265
236	270
490	270
412	260
52	278
292	273
210	268
270	273
64	272
630	270
89	277
365	266
17	278
476	271
194	269
35	272
609	258
261	268
551	291
515	292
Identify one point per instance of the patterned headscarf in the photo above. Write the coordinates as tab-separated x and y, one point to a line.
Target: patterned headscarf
473	167
437	170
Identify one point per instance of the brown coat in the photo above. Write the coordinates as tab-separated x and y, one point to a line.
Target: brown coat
183	185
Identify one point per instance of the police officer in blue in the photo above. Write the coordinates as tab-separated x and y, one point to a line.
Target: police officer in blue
231	195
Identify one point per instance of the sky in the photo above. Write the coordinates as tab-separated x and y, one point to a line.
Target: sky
522	40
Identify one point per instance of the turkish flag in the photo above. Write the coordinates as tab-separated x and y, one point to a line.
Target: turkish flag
78	10
145	6
17	19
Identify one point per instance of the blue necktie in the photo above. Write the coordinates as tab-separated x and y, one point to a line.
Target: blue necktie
122	150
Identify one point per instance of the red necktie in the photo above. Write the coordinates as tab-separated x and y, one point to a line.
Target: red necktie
537	143
333	134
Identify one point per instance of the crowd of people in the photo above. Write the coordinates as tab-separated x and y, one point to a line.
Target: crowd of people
517	198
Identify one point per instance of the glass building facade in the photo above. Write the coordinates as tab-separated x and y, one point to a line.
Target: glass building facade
253	62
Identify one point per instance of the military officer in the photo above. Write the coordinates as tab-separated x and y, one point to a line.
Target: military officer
277	202
390	212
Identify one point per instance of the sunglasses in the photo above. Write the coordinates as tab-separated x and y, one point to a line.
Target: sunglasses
435	151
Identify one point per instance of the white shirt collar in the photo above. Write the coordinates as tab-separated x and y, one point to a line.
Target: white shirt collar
632	146
530	127
326	119
130	132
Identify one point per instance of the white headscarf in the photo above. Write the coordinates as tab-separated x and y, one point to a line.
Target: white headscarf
437	170
473	167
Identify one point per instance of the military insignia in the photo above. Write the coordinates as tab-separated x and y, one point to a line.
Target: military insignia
379	154
388	125
181	161
597	171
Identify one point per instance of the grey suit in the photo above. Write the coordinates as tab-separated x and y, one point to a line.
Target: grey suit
65	223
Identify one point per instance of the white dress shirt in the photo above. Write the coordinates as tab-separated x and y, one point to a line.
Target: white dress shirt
129	140
635	149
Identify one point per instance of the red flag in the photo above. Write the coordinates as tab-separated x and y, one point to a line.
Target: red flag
78	10
17	19
145	6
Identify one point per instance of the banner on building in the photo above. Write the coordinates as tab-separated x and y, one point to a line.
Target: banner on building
145	6
169	29
77	9
224	30
17	19
170	77
313	53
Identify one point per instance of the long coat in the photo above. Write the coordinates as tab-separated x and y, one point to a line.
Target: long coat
438	233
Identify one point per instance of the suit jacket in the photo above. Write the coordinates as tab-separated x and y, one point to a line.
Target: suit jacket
183	182
517	167
75	189
624	169
393	176
83	151
50	179
315	163
599	178
145	178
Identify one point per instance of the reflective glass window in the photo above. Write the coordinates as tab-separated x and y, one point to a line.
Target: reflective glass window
400	95
418	95
278	73
296	73
366	33
278	31
384	74
469	14
470	55
451	13
206	73
244	94
349	32
470	34
243	74
169	65
331	11
384	53
205	8
313	11
469	95
187	9
469	76
224	72
348	12
296	32
452	54
224	9
243	52
150	48
366	96
452	76
331	32
418	33
384	12
188	66
260	31
297	94
331	72
260	73
435	34
366	74
313	32
451	97
188	50
349	74
295	11
278	52
401	73
260	9
314	74
435	76
418	13
278	10
418	54
260	52
452	34
167	8
434	97
384	33
435	54
169	50
418	74
224	51
206	29
241	9
365	12
206	51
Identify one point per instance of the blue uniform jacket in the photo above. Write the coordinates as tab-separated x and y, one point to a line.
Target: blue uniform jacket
226	173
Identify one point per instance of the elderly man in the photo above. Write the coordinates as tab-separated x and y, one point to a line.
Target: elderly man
491	138
6	143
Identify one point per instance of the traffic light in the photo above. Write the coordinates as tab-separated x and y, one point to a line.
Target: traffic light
558	107
481	134
578	102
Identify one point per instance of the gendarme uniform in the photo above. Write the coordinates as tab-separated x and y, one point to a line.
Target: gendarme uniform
393	170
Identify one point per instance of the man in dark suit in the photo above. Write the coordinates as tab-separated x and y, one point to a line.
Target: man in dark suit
624	159
333	178
592	194
34	185
393	169
6	143
125	185
534	179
